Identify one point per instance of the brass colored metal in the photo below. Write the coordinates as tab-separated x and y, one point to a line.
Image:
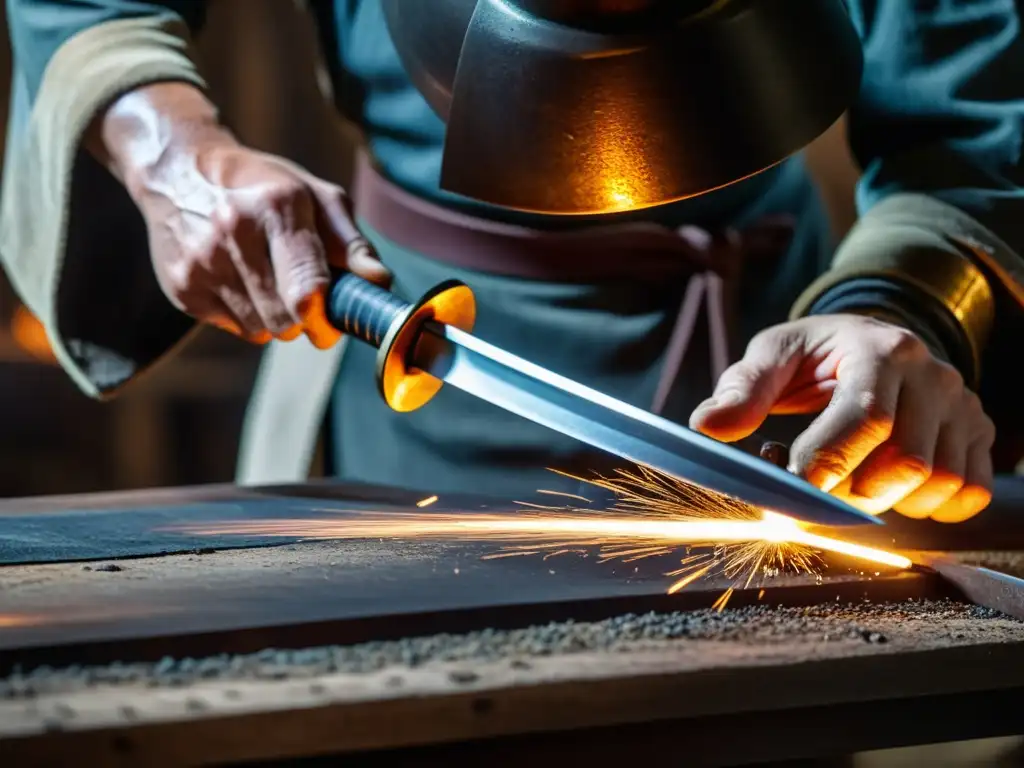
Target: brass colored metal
944	274
964	290
1004	265
406	388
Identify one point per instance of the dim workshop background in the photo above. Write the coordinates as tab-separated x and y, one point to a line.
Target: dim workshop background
182	427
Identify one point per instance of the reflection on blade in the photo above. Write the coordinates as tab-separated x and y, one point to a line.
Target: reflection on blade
518	386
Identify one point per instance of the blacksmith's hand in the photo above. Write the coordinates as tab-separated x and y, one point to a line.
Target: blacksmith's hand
238	238
897	428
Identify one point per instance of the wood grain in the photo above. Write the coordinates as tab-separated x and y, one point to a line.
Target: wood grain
224	722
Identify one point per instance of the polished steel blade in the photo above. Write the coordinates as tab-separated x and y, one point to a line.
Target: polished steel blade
474	366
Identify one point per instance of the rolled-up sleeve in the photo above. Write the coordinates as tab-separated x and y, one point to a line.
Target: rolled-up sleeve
72	242
938	130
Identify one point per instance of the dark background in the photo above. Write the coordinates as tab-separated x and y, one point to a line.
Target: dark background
181	425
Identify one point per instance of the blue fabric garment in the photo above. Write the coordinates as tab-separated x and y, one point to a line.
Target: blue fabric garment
940	111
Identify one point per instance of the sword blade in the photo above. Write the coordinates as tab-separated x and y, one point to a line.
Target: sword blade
532	392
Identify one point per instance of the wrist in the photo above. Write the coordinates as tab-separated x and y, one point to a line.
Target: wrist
937	275
905	305
146	135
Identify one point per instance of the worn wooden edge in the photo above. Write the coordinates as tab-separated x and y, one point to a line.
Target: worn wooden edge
448	703
397	708
235	721
256	720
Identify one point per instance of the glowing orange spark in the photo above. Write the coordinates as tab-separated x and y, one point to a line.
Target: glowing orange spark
723	599
653	515
427	501
646	493
549	531
76	614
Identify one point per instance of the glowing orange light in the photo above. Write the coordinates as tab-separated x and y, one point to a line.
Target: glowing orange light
653	515
29	334
11	620
539	528
427	501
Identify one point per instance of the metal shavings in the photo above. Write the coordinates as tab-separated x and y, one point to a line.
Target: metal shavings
755	626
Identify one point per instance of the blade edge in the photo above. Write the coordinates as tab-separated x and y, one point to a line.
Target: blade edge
541	396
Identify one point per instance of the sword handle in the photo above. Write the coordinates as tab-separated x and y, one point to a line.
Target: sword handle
365	311
392	325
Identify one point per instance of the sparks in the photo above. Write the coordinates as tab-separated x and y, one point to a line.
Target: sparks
653	515
754	545
427	501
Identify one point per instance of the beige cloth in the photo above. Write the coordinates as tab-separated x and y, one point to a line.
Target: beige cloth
75	248
47	176
286	412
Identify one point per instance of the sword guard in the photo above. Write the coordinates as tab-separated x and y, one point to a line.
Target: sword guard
381	319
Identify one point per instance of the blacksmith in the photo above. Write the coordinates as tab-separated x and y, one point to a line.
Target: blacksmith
130	212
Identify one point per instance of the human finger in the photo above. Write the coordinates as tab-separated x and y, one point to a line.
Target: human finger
232	296
300	267
747	390
903	463
250	255
844	492
347	248
947	477
290	334
857	420
218	313
976	493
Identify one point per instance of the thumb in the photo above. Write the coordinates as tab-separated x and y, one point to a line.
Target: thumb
362	260
347	248
747	390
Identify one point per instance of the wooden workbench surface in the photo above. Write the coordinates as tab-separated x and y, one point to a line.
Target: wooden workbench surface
196	676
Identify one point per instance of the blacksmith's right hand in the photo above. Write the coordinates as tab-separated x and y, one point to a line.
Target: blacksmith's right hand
239	239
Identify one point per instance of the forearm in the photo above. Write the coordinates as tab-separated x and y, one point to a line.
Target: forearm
71	238
936	129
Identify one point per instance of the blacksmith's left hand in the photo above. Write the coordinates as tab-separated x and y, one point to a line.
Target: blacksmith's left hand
897	427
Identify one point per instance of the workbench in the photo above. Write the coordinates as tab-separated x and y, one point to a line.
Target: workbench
119	646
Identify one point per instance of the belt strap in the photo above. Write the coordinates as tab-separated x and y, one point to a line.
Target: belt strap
709	262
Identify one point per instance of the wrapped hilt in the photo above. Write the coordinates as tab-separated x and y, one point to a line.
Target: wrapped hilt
358	308
378	317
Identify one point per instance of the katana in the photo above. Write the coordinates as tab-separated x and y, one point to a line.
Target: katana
425	344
